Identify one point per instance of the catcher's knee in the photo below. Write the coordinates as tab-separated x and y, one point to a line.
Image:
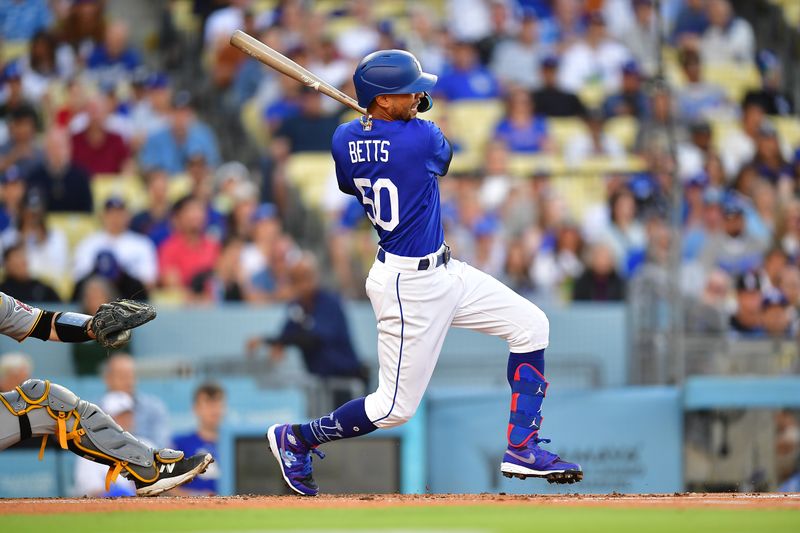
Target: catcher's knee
533	332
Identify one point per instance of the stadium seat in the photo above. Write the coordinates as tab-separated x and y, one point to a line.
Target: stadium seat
610	165
130	188
252	120
472	123
309	173
75	226
527	165
788	129
579	192
592	95
623	129
563	129
184	17
179	186
734	78
12	50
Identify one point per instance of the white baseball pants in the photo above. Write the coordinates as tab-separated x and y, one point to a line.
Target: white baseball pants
415	308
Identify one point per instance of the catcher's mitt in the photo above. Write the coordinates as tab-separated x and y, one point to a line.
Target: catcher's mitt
113	322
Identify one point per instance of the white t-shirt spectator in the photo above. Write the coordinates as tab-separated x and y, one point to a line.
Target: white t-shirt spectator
135	253
358	41
583	64
518	63
735	43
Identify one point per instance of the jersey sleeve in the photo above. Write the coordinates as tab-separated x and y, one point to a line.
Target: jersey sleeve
17	319
344	181
440	151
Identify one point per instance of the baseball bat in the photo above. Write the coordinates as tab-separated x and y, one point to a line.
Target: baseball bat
274	59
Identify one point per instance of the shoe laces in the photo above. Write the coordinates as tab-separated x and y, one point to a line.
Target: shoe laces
302	467
550	456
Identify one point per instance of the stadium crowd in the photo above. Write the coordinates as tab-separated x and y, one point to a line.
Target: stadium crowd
185	170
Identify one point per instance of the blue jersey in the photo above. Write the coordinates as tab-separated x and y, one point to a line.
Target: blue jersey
392	170
191	444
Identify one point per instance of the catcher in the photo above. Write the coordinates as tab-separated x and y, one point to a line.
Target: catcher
40	408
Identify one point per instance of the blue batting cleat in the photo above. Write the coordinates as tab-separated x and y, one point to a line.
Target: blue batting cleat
532	461
294	458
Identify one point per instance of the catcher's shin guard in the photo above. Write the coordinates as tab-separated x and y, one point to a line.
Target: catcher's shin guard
528	389
45	408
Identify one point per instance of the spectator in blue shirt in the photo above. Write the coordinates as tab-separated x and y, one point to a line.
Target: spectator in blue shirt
631	101
209	409
691	21
316	324
521	129
466	79
170	148
114	58
19	20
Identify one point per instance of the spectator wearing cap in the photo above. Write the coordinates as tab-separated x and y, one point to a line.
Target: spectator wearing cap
771	96
150	111
18	280
134	253
97	149
695	154
594	142
188	253
768	160
642	37
728	38
734	250
107	267
316	324
90	477
114	59
748	320
46	247
22	149
697	98
63	185
19	21
600	281
631	100
11	83
594	60
522	129
169	149
550	99
516	61
153	221
465	78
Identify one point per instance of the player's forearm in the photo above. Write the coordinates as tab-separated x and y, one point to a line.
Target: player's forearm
63	327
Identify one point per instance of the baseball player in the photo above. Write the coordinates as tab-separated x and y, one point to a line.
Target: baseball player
41	408
390	160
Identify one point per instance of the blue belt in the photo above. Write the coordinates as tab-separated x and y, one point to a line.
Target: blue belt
442	258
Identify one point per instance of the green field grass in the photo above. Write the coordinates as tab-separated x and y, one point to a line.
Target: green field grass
484	518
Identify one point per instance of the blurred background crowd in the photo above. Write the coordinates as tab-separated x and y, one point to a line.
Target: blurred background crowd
159	162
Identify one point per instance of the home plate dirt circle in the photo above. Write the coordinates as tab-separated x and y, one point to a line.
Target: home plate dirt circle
98	505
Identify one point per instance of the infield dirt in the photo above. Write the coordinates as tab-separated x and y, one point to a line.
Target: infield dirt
677	501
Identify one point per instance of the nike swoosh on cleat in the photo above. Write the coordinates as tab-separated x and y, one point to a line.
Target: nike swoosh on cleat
529	460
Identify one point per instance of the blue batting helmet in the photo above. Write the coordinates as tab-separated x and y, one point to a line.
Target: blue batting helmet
391	72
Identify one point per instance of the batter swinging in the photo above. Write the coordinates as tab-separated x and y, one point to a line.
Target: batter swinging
390	161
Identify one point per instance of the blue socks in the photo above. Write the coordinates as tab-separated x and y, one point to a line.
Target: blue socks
349	420
528	388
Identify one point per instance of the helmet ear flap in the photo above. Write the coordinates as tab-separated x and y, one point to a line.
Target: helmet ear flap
425	103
